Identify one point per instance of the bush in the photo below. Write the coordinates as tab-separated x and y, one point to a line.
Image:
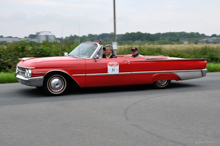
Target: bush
213	67
10	52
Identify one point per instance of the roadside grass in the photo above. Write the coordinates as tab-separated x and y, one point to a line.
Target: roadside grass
10	77
7	78
213	67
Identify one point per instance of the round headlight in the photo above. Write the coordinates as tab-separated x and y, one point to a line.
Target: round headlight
27	73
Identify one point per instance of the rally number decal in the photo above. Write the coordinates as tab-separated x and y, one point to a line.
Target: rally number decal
113	67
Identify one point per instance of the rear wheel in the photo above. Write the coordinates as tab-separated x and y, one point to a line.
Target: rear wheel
55	84
161	84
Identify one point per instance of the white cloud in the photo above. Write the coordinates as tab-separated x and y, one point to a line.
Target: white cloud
25	17
50	3
166	5
30	24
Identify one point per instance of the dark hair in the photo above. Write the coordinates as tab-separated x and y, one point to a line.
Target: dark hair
104	49
134	49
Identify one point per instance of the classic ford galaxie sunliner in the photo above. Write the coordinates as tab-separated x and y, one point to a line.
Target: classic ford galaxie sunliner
85	67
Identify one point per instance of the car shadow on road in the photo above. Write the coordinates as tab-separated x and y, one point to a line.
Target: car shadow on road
29	95
35	93
132	88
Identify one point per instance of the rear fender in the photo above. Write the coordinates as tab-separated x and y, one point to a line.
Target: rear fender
165	76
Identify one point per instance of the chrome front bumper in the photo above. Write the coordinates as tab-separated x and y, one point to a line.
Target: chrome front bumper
35	81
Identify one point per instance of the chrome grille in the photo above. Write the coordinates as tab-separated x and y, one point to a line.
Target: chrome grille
21	71
21	68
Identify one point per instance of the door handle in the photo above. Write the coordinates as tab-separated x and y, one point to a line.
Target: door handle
126	61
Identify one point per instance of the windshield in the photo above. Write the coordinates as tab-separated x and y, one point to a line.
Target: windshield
84	50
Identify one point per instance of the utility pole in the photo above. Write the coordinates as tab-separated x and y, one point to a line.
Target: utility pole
114	44
114	22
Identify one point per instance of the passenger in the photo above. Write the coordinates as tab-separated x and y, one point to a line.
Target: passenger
109	52
134	52
103	53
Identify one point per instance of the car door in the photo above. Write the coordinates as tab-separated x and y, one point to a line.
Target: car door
107	72
141	71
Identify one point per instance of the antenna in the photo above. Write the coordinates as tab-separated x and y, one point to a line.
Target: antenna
61	40
79	31
79	41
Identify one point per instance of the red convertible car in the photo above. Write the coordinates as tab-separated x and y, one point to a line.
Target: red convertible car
85	67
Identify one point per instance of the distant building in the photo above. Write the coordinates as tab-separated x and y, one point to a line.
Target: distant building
45	35
9	40
213	40
184	41
40	37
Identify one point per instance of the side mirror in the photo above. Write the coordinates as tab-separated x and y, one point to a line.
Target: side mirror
96	57
66	54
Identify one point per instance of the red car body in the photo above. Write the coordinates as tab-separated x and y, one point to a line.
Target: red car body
54	74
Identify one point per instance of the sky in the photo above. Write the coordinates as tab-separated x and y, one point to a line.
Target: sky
19	18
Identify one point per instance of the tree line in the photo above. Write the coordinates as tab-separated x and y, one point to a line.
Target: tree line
137	38
142	38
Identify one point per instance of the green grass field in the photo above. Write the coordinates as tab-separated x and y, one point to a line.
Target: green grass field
10	77
7	78
211	51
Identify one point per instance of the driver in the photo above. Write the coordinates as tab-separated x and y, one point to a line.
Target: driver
109	52
103	53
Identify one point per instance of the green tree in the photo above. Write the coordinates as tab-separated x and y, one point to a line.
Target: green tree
214	35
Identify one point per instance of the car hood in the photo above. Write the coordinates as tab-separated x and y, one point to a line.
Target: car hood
46	61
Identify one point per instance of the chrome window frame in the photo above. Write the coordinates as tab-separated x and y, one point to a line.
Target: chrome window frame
96	50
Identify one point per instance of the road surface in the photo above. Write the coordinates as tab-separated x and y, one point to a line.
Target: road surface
185	114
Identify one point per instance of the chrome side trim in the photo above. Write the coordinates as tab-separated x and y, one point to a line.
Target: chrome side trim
183	74
167	71
188	74
78	75
106	74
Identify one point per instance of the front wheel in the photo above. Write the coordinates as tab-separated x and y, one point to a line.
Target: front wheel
55	84
161	84
40	88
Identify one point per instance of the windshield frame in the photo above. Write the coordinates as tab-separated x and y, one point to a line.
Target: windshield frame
93	54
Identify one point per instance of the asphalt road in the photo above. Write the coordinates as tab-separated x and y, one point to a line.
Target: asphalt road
186	114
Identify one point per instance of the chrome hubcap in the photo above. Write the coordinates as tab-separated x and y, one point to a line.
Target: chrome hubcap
56	84
162	82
